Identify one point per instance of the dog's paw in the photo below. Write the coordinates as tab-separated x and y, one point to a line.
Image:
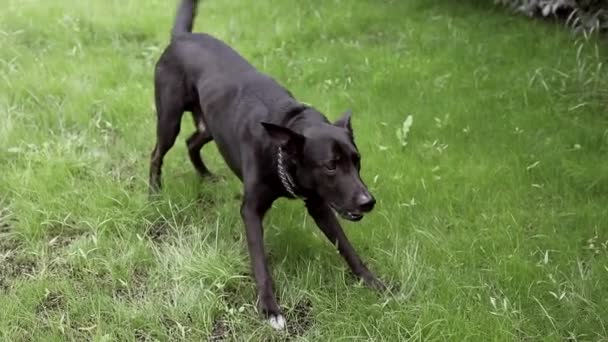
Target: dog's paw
375	283
277	322
154	195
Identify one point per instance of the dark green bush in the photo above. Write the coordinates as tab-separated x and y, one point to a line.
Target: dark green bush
588	15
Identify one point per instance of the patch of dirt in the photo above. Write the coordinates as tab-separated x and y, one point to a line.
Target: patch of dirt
174	328
138	279
233	293
394	287
7	240
4	227
141	335
4	285
13	265
232	297
221	330
158	231
62	241
52	301
135	289
8	243
59	233
299	319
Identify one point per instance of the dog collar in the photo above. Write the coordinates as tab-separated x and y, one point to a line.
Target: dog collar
284	176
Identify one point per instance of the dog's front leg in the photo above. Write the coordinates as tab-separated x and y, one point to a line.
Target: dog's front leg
254	206
329	225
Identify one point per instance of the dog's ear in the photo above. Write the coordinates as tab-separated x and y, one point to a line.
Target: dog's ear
283	136
344	121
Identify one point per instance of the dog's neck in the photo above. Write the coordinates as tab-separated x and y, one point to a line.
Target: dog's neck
298	118
283	171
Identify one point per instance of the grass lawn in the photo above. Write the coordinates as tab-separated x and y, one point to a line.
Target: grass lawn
493	217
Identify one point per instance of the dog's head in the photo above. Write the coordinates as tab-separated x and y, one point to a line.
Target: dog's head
327	162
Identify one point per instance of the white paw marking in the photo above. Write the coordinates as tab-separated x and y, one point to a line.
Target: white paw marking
277	322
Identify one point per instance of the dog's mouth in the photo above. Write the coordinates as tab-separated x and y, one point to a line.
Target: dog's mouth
347	215
351	216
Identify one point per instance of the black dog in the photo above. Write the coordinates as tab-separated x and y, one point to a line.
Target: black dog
276	146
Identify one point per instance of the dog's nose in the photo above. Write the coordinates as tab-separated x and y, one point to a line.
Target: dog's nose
366	202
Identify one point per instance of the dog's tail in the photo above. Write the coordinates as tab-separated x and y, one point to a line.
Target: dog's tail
185	17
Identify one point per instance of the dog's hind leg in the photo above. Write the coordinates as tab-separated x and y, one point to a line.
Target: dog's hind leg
170	111
195	143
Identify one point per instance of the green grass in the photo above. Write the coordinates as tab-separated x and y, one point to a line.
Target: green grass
493	217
